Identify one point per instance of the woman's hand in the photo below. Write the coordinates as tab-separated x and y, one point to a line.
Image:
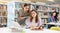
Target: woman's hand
21	18
32	27
38	28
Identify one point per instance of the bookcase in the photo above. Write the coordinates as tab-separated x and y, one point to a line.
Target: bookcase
3	15
45	10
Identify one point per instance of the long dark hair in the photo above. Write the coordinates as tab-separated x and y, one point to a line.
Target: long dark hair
36	18
27	11
27	5
55	16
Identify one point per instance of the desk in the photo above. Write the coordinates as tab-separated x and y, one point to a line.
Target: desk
7	30
52	23
44	31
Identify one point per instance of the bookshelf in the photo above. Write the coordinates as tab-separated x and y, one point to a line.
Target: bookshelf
3	15
45	10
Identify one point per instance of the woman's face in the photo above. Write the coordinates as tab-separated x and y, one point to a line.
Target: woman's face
26	8
54	14
33	14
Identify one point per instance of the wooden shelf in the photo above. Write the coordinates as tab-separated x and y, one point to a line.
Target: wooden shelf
3	14
44	17
45	10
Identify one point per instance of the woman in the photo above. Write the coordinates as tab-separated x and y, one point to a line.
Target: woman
33	22
53	18
24	14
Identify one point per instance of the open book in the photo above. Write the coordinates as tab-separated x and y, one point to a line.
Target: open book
15	25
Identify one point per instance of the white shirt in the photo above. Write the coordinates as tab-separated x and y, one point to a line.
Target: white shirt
34	23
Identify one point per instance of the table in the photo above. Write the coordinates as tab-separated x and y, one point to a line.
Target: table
44	31
52	23
8	30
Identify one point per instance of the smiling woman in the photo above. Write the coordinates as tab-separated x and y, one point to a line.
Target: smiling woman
34	22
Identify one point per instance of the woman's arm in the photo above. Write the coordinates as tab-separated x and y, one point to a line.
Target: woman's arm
27	22
39	26
40	23
21	15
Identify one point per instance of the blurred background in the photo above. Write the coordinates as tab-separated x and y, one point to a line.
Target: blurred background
12	7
